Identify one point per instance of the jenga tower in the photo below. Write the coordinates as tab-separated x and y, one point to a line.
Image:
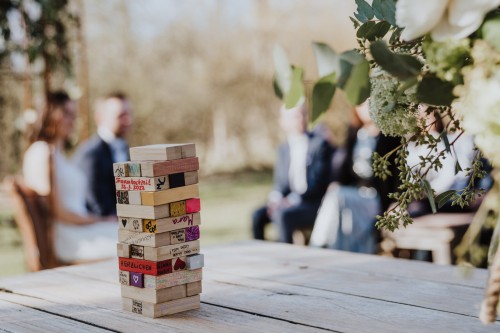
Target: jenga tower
158	209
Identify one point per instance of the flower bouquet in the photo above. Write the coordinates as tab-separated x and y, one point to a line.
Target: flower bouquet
418	61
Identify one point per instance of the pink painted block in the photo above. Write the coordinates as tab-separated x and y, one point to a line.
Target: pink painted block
193	205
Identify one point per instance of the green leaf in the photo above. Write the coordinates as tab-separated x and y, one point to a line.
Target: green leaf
296	92
434	91
277	90
347	60
491	32
430	195
395	36
385	10
458	168
373	30
357	88
283	70
444	197
354	22
444	137
323	92
401	66
326	59
364	11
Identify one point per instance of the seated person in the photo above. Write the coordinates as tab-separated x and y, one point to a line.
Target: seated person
301	177
78	235
346	219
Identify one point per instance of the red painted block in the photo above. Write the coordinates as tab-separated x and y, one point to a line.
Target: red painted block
193	205
145	266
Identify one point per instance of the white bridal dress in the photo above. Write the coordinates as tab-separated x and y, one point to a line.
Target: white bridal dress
72	242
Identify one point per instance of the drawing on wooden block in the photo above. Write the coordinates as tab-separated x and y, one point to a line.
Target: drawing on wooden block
160	182
178	208
180	264
136	225
136	307
150	226
192	233
124	221
137	251
124	278
134	169
122	197
137	279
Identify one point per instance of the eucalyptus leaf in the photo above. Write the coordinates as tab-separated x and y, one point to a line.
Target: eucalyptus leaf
458	168
401	66
444	137
385	10
283	70
323	92
296	93
430	195
373	30
434	91
357	88
348	60
444	197
364	11
326	59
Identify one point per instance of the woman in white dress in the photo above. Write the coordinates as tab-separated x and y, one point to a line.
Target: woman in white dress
78	235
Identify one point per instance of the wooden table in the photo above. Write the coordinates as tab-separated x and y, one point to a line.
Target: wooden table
260	287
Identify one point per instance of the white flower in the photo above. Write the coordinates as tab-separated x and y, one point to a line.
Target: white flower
442	18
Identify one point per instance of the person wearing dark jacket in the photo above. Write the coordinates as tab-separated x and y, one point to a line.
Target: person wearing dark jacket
301	177
96	156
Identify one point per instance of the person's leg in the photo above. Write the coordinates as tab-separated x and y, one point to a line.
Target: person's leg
259	220
293	218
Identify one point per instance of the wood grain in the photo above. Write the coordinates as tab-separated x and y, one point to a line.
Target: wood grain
141	211
155	296
152	310
170	195
160	152
143	238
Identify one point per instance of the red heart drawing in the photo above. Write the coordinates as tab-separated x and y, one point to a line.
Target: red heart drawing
179	264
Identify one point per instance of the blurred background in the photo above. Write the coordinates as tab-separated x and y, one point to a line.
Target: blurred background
195	70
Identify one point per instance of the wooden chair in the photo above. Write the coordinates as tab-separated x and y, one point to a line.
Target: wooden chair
33	216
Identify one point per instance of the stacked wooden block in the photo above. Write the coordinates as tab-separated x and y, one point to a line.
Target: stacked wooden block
159	216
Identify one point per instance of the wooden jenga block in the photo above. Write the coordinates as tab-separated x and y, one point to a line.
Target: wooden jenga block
188	150
142	183
171	223
195	261
130	223
179	264
124	277
145	266
178	208
176	180
193	288
141	211
163	168
137	280
191	177
174	279
128	197
144	239
120	170
161	152
152	310
156	296
158	253
184	235
170	195
134	169
193	205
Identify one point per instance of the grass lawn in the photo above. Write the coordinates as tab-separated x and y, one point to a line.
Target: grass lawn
227	202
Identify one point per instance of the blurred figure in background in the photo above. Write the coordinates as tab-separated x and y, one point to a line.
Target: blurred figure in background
346	219
301	177
78	234
113	116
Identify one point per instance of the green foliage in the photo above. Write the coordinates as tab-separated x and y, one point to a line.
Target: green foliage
372	30
401	66
322	95
434	91
357	87
364	11
296	93
385	10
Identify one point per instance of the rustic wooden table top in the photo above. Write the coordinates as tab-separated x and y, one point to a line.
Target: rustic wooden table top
259	287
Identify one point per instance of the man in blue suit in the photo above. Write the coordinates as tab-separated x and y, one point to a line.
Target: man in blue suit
95	157
301	177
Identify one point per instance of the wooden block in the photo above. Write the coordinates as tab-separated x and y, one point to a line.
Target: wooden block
188	150
136	252
143	238
195	261
192	233
171	223
191	177
176	180
145	266
128	197
130	223
141	211
142	183
178	208
152	310
137	280
193	205
120	170
123	250
171	251
179	264
162	168
170	195
124	277
160	152
134	169
174	279
193	288
177	236
155	296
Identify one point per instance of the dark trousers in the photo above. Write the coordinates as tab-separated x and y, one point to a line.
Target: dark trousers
286	220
